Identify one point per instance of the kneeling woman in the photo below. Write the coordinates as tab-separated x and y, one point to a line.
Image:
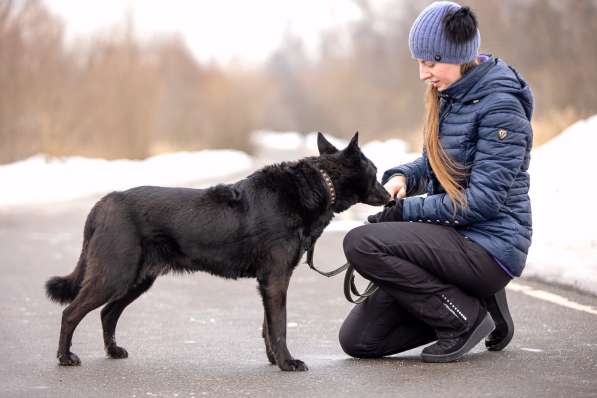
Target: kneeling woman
442	261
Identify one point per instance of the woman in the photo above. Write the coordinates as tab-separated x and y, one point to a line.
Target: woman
442	261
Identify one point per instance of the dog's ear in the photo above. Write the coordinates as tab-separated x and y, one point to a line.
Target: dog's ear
354	143
324	146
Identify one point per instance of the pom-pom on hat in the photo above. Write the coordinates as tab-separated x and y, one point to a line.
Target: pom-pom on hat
445	32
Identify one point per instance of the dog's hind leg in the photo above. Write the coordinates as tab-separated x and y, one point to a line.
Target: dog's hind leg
112	261
273	291
112	311
89	298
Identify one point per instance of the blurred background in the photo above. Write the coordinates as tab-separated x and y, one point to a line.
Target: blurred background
132	79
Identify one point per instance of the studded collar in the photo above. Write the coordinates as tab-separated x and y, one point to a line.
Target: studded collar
329	185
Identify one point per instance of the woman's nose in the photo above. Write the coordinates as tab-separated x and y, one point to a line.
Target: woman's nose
424	72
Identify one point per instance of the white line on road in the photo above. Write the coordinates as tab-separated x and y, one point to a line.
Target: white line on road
551	297
531	349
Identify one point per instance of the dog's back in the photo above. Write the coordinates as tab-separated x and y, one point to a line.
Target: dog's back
226	230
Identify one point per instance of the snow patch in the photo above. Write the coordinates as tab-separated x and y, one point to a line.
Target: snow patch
42	179
564	246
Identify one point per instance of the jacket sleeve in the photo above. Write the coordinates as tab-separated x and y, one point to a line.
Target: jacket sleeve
416	177
503	136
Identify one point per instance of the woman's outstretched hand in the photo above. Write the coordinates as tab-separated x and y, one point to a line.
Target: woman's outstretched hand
391	212
396	186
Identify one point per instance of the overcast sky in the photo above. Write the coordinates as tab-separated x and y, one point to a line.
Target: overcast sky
224	30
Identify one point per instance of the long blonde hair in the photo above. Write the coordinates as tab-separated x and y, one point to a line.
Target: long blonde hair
449	173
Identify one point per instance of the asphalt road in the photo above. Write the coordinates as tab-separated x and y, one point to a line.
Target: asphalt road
197	335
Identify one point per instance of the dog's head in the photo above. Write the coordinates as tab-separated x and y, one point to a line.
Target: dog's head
354	176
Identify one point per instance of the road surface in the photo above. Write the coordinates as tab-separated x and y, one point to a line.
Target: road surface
197	335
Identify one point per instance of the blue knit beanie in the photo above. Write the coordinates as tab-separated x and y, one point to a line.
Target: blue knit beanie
445	32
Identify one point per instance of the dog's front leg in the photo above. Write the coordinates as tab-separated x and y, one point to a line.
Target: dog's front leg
268	349
273	291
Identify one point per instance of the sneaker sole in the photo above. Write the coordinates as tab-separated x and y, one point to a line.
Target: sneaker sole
482	330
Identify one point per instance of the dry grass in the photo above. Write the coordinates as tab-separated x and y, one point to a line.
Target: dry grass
552	123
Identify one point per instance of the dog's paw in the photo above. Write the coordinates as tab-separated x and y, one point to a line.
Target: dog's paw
69	359
116	352
294	365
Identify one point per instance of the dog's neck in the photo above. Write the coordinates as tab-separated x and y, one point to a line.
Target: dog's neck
329	185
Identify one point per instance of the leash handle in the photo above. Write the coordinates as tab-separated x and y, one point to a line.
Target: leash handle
350	287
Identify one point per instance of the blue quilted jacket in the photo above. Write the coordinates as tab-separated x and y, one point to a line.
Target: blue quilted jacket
484	126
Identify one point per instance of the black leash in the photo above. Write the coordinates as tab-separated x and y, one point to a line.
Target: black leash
350	287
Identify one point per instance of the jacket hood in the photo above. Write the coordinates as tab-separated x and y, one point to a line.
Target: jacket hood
489	77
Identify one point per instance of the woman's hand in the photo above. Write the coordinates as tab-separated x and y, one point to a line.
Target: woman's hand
391	212
396	186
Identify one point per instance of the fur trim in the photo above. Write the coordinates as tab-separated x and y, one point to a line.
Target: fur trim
461	26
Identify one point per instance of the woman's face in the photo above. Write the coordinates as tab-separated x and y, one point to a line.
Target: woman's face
438	74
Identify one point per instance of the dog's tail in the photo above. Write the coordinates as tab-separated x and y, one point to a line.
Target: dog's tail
64	289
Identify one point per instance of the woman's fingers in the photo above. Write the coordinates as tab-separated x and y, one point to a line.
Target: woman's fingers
392	190
402	192
396	187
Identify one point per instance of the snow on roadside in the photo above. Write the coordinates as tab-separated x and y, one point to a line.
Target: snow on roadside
41	179
564	248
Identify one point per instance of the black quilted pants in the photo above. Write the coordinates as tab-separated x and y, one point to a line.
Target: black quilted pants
431	280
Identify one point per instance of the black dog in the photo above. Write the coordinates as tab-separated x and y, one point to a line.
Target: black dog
258	227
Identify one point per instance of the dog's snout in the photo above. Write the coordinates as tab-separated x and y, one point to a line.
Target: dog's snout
378	196
384	195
